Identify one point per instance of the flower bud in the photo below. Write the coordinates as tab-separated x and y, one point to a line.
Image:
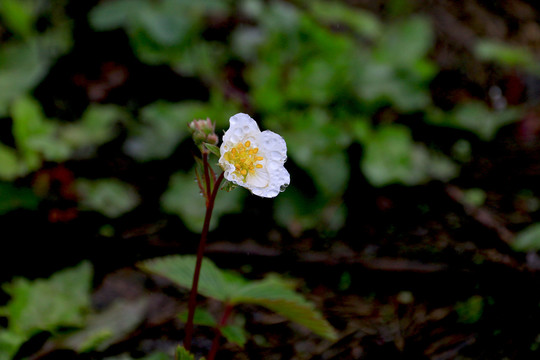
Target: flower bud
203	131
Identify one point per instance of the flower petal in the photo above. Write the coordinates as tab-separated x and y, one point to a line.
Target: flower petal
242	126
270	177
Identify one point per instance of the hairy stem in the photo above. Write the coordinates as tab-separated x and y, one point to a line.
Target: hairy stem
200	252
215	343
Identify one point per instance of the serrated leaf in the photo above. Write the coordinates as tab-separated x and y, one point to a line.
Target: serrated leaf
272	293
180	269
276	295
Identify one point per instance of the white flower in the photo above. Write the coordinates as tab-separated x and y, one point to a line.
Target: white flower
254	159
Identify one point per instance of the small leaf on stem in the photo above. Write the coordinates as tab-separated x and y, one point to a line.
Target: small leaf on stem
213	149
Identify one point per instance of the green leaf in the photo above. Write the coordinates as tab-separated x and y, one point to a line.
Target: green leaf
391	156
505	54
183	198
475	117
12	197
111	197
213	149
164	25
299	212
157	356
96	127
475	196
109	15
378	84
183	354
108	327
18	16
180	270
10	342
10	167
47	304
363	22
470	311
164	125
201	317
318	145
272	293
29	127
528	239
235	334
405	42
277	295
24	65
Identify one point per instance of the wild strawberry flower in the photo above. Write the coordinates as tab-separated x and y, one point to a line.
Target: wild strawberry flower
254	159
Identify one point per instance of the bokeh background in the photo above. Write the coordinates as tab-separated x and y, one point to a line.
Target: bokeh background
413	141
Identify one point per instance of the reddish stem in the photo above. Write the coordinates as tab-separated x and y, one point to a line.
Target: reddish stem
215	343
200	252
206	177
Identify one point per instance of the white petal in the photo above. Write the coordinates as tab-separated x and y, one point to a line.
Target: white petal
242	126
260	179
273	146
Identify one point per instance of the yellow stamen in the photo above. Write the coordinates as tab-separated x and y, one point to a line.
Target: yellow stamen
243	158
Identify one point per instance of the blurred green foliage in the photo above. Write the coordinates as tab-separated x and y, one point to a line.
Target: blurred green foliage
316	72
44	305
471	310
110	197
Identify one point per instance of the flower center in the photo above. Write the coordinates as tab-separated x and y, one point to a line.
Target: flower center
244	159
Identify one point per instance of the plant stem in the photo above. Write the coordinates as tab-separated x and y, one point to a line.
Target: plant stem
215	343
200	252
